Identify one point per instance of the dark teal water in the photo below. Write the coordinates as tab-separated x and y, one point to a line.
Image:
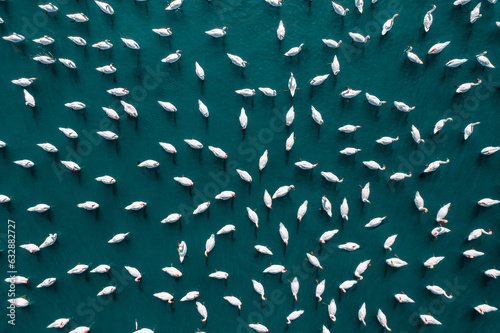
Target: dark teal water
380	68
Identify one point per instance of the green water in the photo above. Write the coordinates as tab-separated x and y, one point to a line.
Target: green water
380	67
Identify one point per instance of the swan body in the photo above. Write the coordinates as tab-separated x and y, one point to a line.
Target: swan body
438	231
237	60
335	65
108	135
101	269
349	151
329	176
190	296
332	43
105	7
475	13
136	205
436	290
292	84
432	261
69	132
294	315
403	107
282	191
164	296
415	134
234	301
349	246
118	238
201	208
375	222
386	140
429	320
361	268
403	298
31	248
313	260
359	38
172	57
396	262
373	100
50	148
339	9
49	8
347	285
443	211
88	205
484	308
40	208
225	195
25	163
14	38
47	283
281	31
259	289
246	92
108	69
389	242
59	323
78	269
78	40
184	181
275	269
134	272
471	254
456	62
362	313
294	51
78	17
332	310
412	56
172	218
244	175
348	128
163	32
217	32
382	319
24	82
45	40
172	271
373	165
320	289
199	71
316	115
107	291
263	249
317	80
428	19
437	48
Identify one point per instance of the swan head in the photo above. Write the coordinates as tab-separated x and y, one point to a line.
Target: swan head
178	51
224	28
340	42
367	37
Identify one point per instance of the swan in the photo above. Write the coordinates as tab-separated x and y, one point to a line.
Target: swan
105	7
373	165
412	56
487	202
388	24
45	40
350	93
68	63
163	32
148	164
199	71
134	272
101	269
78	40
316	115
439	125
111	114
201	208
108	69
136	205
438	231
475	13
281	31
329	176
428	19
237	60
167	106
437	48
403	298
332	43
389	242
419	202
292	84
361	268
483	60
14	38
78	17
464	87
88	205
50	148
339	9
415	134
25	163
246	92
29	99
24	82
118	238
403	107
290	116
294	51
282	191
433	261
359	38
320	289
131	44
335	65
164	296
108	135
49	8
259	289
443	211
172	218
327	206
108	180
263	249
47	283
172	57
456	62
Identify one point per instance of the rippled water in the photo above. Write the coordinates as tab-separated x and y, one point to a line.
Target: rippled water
380	67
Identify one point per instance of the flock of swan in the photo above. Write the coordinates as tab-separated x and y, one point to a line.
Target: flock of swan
394	262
